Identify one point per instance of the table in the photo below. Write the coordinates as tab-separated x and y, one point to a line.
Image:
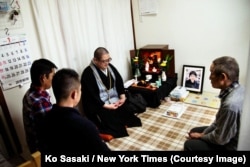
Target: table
153	96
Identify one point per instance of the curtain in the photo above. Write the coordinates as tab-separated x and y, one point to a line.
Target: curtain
70	30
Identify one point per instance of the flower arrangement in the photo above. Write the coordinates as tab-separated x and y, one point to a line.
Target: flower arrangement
136	64
166	63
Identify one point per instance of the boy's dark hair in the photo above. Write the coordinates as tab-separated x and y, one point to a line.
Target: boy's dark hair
193	73
39	68
63	82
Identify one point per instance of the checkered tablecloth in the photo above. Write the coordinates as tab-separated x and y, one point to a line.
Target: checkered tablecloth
161	133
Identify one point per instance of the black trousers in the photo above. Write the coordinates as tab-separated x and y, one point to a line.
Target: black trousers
114	122
199	144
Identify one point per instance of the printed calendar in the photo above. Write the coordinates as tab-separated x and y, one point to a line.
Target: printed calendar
15	61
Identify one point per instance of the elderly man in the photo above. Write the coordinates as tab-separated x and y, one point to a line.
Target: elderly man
223	133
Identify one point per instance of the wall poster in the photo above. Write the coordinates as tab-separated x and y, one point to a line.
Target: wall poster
148	7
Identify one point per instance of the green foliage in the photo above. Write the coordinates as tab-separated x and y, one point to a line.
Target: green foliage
166	63
136	62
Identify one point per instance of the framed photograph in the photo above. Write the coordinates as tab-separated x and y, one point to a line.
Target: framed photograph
192	78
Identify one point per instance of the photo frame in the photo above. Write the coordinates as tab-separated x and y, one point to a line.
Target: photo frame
192	78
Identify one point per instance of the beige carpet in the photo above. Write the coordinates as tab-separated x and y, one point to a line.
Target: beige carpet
159	132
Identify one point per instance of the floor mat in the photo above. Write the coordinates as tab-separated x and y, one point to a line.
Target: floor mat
159	133
205	99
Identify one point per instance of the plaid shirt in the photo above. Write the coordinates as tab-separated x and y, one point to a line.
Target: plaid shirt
35	103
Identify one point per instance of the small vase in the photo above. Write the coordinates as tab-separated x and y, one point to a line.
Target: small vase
163	76
137	73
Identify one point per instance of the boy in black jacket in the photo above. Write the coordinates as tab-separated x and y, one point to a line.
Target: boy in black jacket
65	130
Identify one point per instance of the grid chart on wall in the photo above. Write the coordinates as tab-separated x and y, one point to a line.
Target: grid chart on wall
15	61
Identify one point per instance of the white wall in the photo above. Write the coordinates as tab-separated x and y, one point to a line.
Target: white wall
14	96
244	142
199	31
